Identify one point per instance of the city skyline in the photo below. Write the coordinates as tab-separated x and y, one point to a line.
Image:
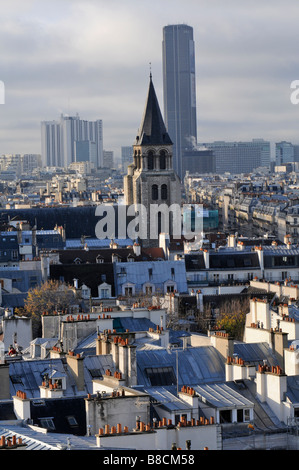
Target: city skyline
68	59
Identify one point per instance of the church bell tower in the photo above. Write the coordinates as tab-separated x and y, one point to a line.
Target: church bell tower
151	180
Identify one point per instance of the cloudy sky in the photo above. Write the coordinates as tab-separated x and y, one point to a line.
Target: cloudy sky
92	58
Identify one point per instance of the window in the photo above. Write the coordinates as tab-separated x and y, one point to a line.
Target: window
225	416
161	376
243	415
170	289
150	161
33	280
129	291
162	160
104	293
246	415
47	423
164	191
148	290
150	273
72	421
155	192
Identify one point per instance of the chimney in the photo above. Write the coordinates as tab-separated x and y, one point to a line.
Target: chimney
132	366
76	364
231	241
4	381
123	358
206	256
260	252
271	387
137	249
115	351
223	343
279	341
21	406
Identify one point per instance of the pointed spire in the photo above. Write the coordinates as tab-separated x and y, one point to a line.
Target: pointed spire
152	130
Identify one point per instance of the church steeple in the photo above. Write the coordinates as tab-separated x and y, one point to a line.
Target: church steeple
152	130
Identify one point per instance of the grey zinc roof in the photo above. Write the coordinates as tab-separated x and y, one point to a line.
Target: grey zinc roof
293	389
255	353
195	365
221	396
27	376
164	397
35	440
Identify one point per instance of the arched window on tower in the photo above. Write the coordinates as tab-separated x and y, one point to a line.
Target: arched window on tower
164	191
150	161
155	194
162	160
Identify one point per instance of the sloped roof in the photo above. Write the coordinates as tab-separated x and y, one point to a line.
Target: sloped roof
152	130
195	365
221	396
27	376
35	440
255	353
234	260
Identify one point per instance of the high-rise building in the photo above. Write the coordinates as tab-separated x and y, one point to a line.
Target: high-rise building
126	157
284	152
59	140
108	159
240	157
179	90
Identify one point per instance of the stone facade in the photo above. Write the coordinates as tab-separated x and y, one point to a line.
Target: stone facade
151	179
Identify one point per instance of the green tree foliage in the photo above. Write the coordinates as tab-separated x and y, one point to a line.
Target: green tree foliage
51	296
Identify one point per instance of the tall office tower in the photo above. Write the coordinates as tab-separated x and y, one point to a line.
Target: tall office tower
126	157
240	157
284	153
179	90
108	159
51	144
59	140
85	151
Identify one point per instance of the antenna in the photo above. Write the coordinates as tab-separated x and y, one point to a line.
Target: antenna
150	67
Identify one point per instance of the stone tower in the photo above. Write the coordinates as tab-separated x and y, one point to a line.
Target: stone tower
151	180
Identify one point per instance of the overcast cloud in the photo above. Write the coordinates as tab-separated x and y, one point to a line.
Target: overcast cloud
92	58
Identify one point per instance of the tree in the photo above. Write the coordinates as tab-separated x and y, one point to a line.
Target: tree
49	297
233	323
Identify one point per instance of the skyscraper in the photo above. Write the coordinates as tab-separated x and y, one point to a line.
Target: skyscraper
59	140
179	90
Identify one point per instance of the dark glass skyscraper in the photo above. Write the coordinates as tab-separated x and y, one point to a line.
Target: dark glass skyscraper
179	90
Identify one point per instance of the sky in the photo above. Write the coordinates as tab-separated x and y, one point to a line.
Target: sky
92	58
